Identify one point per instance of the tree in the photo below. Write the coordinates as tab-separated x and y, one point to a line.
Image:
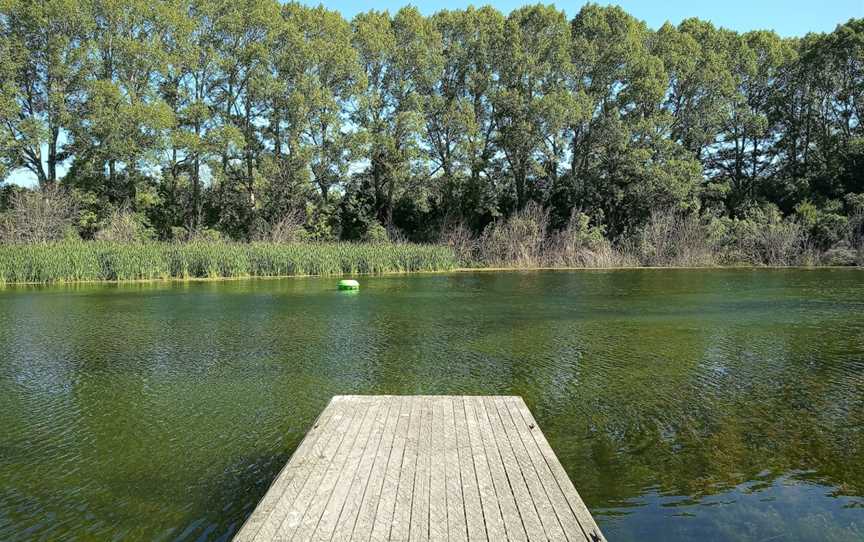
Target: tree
696	57
123	123
744	154
318	76
243	36
460	134
625	161
397	56
532	107
199	115
48	66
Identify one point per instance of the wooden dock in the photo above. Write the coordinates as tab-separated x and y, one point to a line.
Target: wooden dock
422	468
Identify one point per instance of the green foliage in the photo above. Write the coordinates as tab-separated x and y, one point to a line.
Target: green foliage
102	260
227	116
123	226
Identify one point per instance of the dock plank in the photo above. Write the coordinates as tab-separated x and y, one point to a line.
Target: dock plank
456	528
492	520
428	468
583	516
292	474
475	528
419	528
525	502
400	525
380	492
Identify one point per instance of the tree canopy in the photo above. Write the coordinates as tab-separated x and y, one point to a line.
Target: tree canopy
232	115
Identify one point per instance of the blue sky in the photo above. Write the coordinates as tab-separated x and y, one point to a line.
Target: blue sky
786	17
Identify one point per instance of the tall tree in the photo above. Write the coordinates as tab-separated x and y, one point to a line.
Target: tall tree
49	59
532	106
460	129
745	153
397	55
243	38
697	60
318	76
122	124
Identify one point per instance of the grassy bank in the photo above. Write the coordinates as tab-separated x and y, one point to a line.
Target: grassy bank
79	261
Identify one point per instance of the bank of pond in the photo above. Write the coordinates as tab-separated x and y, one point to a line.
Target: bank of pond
96	261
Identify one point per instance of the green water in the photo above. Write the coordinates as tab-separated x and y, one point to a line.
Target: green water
710	405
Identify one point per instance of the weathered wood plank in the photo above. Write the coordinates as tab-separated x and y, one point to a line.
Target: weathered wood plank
293	472
330	496
423	468
315	485
318	458
381	488
456	528
437	474
355	474
475	529
399	527
419	529
592	532
524	501
506	500
493	522
572	530
543	505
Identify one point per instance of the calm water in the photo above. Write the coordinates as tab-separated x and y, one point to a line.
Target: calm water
710	405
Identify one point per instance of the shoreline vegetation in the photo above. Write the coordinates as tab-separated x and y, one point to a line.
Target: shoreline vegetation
523	241
216	139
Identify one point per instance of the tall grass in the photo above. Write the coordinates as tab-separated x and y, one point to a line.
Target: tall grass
77	261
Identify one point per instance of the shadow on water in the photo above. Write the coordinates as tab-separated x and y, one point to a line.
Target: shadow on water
237	490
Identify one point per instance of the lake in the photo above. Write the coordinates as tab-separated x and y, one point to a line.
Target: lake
684	404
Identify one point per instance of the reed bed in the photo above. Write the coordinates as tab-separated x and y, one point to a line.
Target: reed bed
79	261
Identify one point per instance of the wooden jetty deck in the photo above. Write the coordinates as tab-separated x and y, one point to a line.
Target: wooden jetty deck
422	468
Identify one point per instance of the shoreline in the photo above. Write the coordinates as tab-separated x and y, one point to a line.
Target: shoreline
456	270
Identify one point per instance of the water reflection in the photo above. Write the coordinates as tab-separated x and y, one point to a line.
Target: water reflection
722	405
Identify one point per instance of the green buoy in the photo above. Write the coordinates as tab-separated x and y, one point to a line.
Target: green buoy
349	284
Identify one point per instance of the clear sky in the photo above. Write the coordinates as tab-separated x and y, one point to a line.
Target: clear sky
786	17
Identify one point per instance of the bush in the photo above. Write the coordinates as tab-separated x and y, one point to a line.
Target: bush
124	226
288	229
842	254
38	216
764	237
580	244
461	241
517	241
376	233
824	227
672	239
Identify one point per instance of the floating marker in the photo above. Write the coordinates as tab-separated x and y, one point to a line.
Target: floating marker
349	284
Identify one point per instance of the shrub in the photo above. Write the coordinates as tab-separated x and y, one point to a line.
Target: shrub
517	241
461	241
824	227
288	229
376	233
124	226
673	239
38	216
763	237
580	244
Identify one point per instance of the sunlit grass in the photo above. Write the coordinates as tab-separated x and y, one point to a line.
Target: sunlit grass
78	261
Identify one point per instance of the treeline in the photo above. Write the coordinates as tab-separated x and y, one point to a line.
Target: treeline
247	119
